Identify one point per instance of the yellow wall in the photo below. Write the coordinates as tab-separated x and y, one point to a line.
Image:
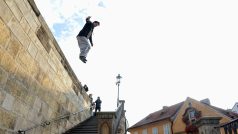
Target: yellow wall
149	127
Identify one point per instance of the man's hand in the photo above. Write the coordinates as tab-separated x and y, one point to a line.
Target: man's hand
88	17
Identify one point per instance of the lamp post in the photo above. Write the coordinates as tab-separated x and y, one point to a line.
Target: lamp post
118	84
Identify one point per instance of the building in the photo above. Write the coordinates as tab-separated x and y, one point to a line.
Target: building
235	108
190	116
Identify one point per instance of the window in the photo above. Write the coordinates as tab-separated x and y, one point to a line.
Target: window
166	129
192	117
144	131
155	130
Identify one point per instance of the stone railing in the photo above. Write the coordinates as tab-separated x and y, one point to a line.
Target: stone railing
230	127
119	113
108	122
44	124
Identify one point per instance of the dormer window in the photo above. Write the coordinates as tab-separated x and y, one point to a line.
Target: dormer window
192	116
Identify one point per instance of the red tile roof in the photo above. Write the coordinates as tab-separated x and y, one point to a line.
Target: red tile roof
228	113
165	113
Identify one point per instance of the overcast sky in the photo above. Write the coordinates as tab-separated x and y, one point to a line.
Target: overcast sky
165	50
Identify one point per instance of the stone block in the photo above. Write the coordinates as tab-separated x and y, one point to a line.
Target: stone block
44	110
15	88
32	35
2	96
30	15
2	131
49	113
22	76
46	130
3	77
25	110
32	49
35	117
57	56
8	102
14	47
2	52
30	99
5	12
20	124
34	88
52	64
8	63
42	94
22	6
53	105
51	75
44	38
7	119
38	130
62	98
53	115
18	31
17	107
54	129
31	21
24	24
25	59
34	69
45	81
14	8
4	34
39	75
47	98
37	105
42	61
56	108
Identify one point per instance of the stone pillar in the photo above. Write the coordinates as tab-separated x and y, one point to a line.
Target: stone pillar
206	125
105	122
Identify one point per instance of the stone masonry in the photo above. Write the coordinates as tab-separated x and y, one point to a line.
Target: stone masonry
36	82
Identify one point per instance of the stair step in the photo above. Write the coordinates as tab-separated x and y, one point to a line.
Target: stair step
87	127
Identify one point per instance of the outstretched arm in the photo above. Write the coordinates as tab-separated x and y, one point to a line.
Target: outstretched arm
88	18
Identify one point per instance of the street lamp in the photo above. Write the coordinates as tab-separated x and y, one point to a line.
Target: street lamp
118	84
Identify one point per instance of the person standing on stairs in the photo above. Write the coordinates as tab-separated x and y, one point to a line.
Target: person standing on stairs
98	105
84	35
92	104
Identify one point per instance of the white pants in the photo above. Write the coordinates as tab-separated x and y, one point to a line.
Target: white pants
83	45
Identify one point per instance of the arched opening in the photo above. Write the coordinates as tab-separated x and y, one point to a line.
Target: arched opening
105	129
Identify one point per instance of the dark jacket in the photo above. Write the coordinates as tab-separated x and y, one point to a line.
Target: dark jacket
87	31
98	103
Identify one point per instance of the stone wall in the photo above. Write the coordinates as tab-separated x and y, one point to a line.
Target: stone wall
36	81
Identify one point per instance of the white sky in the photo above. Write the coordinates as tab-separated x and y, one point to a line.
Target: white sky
165	50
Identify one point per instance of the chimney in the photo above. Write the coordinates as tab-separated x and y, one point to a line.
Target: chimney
165	107
206	101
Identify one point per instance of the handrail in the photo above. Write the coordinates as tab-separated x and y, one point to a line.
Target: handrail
118	114
48	122
126	125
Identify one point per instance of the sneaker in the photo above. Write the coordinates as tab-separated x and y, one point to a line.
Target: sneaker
83	59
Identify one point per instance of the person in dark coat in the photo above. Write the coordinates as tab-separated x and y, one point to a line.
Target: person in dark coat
84	37
98	105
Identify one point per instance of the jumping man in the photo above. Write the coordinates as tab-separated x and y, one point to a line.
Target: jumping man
84	35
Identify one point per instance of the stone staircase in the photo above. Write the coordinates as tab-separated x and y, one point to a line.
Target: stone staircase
87	127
